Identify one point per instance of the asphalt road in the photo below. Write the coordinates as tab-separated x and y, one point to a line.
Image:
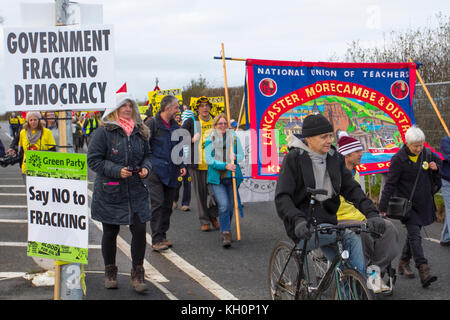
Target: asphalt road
196	268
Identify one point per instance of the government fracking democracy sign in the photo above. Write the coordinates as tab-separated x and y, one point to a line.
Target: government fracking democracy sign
370	101
57	202
59	68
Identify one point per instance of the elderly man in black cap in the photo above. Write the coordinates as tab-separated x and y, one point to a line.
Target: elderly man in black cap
313	162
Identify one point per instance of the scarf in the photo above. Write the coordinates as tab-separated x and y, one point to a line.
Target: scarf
127	125
321	175
33	138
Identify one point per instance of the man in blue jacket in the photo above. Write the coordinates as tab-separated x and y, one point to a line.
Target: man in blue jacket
163	179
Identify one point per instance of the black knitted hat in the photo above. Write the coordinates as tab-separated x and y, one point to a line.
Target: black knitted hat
316	124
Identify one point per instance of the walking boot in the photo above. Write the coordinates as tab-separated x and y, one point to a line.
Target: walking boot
426	277
404	269
215	223
226	239
137	279
111	276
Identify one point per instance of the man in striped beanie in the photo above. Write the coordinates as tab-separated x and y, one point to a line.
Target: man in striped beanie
378	251
350	148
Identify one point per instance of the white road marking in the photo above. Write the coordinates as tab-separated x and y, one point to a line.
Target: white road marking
195	274
12	186
11	275
13	207
13	221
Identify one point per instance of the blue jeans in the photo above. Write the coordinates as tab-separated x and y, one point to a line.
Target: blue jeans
351	242
445	235
223	193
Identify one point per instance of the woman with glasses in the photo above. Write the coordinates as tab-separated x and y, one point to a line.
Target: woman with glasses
223	152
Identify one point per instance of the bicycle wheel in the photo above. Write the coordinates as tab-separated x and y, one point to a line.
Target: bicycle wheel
316	267
282	284
352	286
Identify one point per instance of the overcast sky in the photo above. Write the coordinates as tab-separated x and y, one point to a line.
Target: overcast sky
176	40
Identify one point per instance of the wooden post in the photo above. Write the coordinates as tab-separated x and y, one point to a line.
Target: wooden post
431	100
233	174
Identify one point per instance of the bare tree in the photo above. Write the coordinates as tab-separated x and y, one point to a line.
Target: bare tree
430	47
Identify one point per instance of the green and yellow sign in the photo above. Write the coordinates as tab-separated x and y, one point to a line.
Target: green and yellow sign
57	202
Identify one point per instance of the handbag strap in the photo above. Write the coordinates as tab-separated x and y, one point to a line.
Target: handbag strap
417	178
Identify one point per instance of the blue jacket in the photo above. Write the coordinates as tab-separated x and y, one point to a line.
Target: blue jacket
213	143
116	199
161	146
445	150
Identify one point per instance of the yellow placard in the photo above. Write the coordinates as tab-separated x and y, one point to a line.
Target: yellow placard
155	97
218	104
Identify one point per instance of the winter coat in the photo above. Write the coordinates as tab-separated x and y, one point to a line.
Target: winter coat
400	181
445	151
161	146
216	165
116	199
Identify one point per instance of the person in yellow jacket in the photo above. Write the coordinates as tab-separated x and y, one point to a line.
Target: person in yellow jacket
34	137
14	125
378	251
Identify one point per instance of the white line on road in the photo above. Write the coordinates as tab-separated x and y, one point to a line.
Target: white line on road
12	186
195	274
432	240
13	221
12	207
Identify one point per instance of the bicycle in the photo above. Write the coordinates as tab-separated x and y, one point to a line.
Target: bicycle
290	275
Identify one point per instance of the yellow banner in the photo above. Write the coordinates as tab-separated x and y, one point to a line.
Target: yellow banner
155	97
218	104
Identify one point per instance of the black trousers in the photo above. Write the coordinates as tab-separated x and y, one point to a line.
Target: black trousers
138	242
161	200
413	245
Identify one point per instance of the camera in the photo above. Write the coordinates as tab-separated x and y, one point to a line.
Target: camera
134	170
9	160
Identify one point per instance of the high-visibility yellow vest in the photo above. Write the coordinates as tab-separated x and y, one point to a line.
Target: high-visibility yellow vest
14	120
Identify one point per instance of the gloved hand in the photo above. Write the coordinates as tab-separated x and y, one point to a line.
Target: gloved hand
301	230
376	224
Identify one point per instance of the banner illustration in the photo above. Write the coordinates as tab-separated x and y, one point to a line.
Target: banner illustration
370	101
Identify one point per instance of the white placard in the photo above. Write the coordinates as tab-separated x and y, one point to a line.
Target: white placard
58	211
59	68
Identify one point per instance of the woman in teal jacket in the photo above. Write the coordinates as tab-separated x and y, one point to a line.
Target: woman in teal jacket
221	163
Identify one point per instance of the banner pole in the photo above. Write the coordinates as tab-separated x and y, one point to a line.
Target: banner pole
431	100
228	58
242	109
233	174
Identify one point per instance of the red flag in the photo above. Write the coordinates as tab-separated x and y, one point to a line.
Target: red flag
123	88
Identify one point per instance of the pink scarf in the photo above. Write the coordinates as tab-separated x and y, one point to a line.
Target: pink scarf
127	125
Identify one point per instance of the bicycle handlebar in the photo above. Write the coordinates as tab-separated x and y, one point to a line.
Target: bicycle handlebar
340	227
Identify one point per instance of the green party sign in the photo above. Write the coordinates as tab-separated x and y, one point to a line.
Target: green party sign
57	204
56	165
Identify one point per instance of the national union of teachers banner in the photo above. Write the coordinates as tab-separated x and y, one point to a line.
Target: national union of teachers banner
370	101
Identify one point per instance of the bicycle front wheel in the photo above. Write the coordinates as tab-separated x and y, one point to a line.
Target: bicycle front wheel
283	273
351	285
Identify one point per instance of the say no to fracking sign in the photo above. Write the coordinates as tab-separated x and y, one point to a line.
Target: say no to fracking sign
57	202
59	68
